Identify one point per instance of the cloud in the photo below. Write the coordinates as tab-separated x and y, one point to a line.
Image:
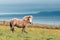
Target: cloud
17	1
27	1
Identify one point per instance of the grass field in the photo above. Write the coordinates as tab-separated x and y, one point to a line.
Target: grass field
33	34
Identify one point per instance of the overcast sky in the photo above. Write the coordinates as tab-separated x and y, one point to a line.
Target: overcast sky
29	1
18	8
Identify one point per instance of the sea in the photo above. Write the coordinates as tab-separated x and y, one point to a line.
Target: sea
42	13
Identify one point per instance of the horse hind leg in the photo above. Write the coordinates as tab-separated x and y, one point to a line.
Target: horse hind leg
11	27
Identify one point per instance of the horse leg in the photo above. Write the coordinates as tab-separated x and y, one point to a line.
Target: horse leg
23	29
12	27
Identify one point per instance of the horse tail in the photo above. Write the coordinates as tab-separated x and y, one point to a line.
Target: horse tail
10	24
11	27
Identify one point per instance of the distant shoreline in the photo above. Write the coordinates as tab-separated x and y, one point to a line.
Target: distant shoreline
7	23
32	22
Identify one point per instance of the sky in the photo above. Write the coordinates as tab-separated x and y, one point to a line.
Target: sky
29	1
7	6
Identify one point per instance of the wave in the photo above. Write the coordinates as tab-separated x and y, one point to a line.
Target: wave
49	13
33	12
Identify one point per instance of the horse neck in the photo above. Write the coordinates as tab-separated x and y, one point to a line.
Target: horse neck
26	20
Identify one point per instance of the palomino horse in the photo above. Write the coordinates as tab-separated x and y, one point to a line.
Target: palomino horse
20	23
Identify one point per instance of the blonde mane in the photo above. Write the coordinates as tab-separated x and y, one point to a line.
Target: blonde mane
27	17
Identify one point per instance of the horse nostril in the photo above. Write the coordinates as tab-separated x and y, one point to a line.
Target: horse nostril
30	22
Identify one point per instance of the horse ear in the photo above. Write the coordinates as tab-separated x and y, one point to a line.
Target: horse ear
31	17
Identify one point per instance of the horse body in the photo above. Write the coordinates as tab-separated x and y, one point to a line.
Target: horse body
20	23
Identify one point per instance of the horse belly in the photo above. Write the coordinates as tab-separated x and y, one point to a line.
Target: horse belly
19	25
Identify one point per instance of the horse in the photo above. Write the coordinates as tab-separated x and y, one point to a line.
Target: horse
20	23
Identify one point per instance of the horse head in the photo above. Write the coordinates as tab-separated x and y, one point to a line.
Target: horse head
28	19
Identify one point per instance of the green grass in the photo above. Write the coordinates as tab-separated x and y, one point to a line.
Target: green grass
33	34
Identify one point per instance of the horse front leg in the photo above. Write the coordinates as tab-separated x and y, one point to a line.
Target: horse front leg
23	29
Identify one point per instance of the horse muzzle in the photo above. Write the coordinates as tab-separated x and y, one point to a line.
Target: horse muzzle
30	22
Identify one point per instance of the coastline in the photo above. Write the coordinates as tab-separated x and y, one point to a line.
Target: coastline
6	23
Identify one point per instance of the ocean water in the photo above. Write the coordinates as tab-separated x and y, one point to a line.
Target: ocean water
42	14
